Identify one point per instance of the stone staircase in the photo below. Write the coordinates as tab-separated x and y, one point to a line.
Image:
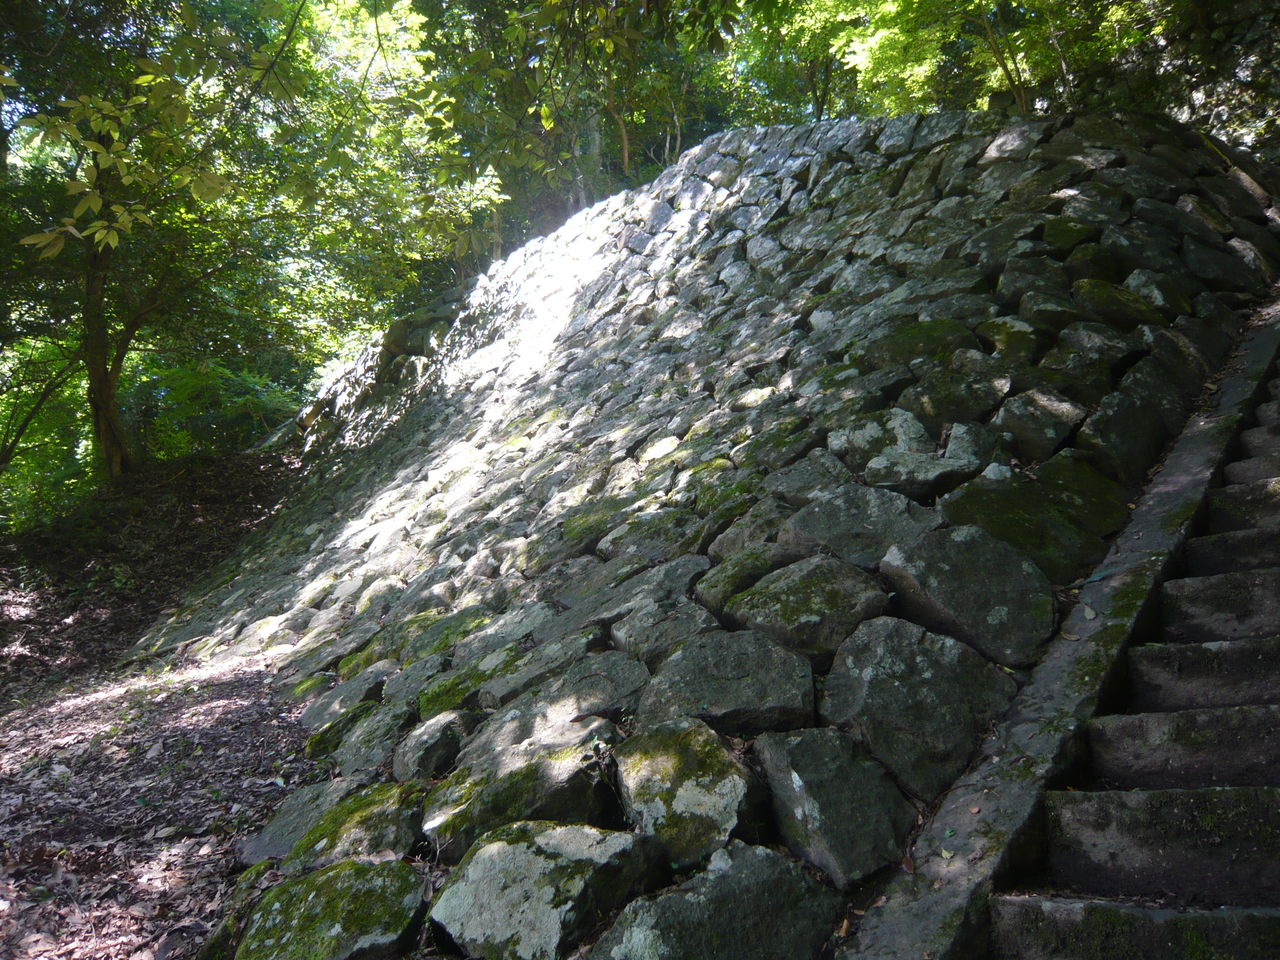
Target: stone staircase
1167	843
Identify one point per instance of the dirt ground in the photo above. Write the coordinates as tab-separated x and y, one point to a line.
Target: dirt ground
123	791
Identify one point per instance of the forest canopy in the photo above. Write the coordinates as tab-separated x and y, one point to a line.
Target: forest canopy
205	202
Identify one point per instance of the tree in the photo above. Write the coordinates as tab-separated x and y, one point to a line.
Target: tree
220	165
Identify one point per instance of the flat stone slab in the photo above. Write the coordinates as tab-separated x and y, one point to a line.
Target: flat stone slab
1227	606
1216	746
533	890
836	806
1251	549
1244	505
1064	928
1179	676
345	911
733	910
1253	469
1207	847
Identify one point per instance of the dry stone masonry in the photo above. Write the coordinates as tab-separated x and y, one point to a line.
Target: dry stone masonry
660	581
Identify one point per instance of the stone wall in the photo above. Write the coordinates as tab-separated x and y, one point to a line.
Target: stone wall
722	522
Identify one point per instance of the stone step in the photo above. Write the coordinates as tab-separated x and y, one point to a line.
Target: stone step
1268	414
1211	747
1250	549
1259	441
1253	468
1064	928
1179	676
1244	505
1226	606
1202	848
1273	389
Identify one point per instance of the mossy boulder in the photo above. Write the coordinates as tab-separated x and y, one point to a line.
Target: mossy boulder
680	782
834	804
427	634
857	524
733	910
809	606
948	396
963	582
1040	421
876	433
532	761
299	812
1060	518
365	685
369	744
376	820
346	911
917	700
534	890
743	570
656	536
327	739
1115	304
738	683
429	749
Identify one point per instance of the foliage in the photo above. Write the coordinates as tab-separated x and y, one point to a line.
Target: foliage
202	202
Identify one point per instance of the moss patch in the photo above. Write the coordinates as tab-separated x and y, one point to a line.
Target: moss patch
344	910
381	817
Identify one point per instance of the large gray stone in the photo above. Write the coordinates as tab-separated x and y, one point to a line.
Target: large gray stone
858	524
301	811
348	911
733	910
835	805
919	701
429	749
365	685
809	606
371	741
680	782
1040	422
533	890
739	683
379	821
964	582
534	759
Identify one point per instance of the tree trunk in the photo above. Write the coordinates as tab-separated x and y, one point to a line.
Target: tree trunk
103	377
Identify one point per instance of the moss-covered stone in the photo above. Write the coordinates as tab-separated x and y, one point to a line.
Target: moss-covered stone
460	689
743	570
1114	304
380	818
237	908
1021	512
325	740
679	781
429	633
533	890
937	337
344	911
583	526
809	606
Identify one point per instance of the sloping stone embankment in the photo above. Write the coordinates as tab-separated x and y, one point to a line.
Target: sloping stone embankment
721	523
